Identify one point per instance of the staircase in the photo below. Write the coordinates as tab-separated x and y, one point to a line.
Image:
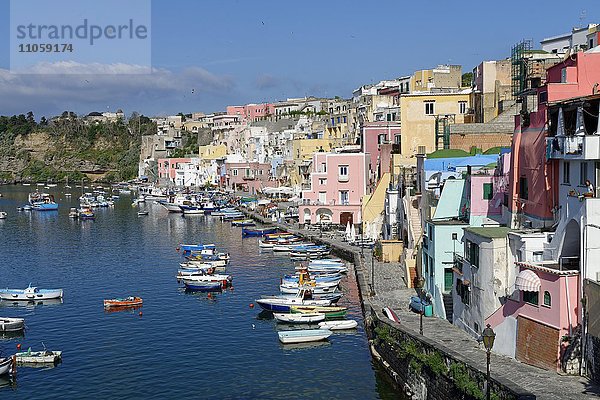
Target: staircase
448	306
415	219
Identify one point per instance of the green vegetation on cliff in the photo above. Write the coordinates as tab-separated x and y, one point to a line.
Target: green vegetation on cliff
68	146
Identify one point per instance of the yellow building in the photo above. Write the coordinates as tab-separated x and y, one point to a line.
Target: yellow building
443	76
212	152
424	113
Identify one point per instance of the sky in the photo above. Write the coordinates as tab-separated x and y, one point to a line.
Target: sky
206	55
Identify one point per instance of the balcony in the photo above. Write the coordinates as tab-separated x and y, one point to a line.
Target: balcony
573	147
343	178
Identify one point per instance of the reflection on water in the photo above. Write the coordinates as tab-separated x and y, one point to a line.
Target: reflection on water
291	347
12	335
31	303
124	309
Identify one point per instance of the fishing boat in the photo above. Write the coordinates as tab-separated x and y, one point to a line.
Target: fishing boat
30	293
188	248
329	311
191	210
204	286
299	318
243	222
295	288
303	335
42	202
338	325
327	262
326	268
258	231
86	213
7	366
11	324
130	301
38	357
224	280
284	303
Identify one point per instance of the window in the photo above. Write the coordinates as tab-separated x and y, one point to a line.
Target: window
583	173
547	299
338	120
397	139
235	172
472	253
426	265
538	256
344	199
322	181
344	119
343	172
463	292
563	75
488	192
389	117
566	172
322	197
523	188
429	108
531	297
381	138
323	167
462	107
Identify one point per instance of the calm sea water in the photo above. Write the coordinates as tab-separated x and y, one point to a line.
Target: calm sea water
184	344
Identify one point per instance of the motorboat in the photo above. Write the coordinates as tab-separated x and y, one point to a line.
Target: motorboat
205	286
11	324
303	335
284	303
299	318
258	231
7	366
130	301
42	202
338	325
329	311
243	222
73	213
38	357
30	293
294	288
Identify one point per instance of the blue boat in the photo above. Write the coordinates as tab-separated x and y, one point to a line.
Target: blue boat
258	231
188	248
42	202
200	286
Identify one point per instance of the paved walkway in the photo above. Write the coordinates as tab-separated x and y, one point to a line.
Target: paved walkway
391	291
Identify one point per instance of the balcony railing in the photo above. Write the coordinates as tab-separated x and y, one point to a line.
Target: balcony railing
343	178
573	147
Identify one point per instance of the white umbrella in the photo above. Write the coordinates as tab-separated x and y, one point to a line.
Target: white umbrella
352	233
348	232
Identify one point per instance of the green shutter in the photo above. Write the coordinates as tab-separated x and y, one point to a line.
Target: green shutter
487	191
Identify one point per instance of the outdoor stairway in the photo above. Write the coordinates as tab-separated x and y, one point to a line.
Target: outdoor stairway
448	305
415	219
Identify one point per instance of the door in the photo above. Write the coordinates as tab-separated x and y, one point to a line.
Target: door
448	279
323	197
346	217
537	344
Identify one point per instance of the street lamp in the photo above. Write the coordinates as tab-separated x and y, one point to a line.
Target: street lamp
488	335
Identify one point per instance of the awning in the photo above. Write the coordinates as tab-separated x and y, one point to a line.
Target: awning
528	281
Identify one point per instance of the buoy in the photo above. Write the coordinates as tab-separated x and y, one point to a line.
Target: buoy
253	326
209	295
18	346
140	314
251	305
230	287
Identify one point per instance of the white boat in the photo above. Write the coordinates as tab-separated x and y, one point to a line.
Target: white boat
7	366
326	268
294	288
30	294
303	335
327	263
38	357
3	214
299	318
11	324
338	325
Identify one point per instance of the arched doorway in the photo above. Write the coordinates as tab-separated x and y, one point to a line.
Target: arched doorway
306	217
324	215
570	252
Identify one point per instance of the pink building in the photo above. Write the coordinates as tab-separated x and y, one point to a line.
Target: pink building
250	177
487	190
252	112
167	168
338	182
544	309
378	139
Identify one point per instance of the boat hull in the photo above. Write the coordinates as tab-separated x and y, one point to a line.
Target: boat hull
299	318
11	324
25	295
338	325
129	302
38	357
303	336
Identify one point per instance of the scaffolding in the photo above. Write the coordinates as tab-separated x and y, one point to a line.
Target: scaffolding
520	70
442	130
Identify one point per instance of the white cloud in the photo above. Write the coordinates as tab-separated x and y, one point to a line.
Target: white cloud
51	88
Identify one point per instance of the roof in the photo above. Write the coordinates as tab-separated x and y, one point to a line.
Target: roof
491	232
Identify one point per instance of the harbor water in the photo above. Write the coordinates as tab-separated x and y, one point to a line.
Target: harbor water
178	344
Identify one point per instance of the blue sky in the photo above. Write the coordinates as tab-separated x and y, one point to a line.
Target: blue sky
208	54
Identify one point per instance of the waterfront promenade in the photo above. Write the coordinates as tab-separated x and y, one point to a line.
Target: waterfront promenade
390	291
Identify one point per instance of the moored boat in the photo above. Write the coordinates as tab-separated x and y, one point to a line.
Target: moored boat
205	286
3	214
7	366
299	318
338	325
38	357
258	231
303	335
11	324
42	202
30	293
330	311
243	222
130	301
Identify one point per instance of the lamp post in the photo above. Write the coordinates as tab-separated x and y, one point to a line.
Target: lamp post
488	335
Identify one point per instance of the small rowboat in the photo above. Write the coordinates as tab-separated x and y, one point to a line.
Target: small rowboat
303	335
11	324
330	312
299	318
7	366
338	325
202	286
125	302
38	357
140	213
258	231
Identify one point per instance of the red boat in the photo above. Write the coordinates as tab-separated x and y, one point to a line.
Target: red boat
125	302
